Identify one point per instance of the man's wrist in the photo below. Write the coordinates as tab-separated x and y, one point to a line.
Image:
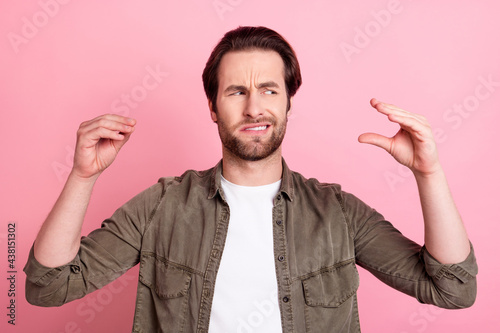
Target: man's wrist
436	173
74	177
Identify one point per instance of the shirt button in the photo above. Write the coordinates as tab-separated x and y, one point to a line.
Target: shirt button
75	268
215	253
281	258
279	222
279	197
285	299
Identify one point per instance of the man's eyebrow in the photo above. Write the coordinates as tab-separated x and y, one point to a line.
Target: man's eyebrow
268	84
235	87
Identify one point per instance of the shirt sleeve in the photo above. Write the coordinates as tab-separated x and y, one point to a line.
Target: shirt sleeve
104	255
406	266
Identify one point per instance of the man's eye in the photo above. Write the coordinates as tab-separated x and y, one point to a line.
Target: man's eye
270	92
237	93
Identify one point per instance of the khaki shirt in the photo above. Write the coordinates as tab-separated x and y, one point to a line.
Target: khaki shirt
176	231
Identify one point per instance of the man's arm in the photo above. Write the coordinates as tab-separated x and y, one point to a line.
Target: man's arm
98	142
414	146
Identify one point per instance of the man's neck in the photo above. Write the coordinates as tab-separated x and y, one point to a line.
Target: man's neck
252	173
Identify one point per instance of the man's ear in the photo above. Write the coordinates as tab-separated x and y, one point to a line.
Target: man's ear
290	108
213	114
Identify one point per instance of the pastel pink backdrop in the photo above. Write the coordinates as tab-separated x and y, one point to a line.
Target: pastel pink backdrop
63	62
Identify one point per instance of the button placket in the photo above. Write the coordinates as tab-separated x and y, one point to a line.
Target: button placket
282	266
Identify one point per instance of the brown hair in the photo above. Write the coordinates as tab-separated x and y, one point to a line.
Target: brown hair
248	38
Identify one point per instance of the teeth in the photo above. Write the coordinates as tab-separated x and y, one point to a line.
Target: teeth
260	128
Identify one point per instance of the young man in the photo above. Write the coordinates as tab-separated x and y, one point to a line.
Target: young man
250	234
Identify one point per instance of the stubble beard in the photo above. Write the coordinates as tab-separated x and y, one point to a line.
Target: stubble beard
256	149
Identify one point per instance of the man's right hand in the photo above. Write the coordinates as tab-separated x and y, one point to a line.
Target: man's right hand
98	142
97	145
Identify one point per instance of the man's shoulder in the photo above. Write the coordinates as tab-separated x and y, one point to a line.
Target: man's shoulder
299	187
190	177
301	180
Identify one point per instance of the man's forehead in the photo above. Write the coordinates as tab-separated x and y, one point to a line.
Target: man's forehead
247	64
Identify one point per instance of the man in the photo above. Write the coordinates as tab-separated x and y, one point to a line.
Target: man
251	235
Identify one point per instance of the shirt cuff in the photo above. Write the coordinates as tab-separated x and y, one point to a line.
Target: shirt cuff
42	275
463	271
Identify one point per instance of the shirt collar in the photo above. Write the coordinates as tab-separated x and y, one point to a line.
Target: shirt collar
285	188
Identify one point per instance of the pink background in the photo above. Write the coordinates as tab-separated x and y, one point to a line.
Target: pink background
68	61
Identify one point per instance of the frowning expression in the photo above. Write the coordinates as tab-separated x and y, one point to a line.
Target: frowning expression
251	110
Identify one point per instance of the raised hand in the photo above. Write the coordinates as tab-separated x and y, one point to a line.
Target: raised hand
413	145
98	142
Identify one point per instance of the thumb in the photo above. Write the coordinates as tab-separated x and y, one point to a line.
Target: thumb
376	140
119	143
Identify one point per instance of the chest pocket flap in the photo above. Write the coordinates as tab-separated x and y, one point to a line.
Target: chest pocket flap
332	287
166	280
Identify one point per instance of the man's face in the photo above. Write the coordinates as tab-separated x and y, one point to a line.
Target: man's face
251	104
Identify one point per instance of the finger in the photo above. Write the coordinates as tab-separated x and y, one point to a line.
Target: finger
107	119
115	124
387	109
126	137
374	102
113	117
92	137
108	123
413	126
118	144
376	140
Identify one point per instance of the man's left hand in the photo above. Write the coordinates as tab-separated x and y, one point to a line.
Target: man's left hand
413	145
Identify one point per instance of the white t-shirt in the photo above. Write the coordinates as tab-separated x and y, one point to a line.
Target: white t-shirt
246	289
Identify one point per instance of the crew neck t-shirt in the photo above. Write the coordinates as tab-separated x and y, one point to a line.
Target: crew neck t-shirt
246	291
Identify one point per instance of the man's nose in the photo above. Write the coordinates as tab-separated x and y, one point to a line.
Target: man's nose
253	108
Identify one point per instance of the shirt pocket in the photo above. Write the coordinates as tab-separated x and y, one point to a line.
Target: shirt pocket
332	287
330	299
164	293
167	280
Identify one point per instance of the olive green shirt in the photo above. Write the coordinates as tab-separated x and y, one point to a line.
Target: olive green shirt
176	231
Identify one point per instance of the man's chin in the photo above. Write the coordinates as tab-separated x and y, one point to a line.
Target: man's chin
256	149
256	154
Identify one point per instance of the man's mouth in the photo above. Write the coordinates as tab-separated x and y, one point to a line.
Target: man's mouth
256	128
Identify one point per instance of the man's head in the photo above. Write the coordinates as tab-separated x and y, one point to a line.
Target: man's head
249	81
246	39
